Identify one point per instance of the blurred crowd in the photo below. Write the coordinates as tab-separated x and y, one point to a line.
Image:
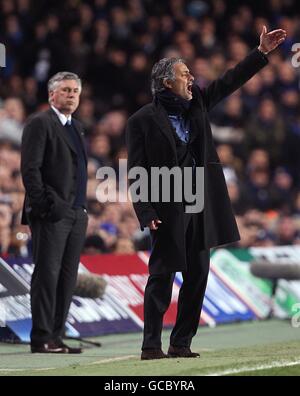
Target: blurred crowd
112	45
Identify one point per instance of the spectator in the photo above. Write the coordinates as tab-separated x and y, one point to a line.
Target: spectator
12	120
266	130
287	232
100	149
124	246
94	244
5	227
109	234
259	191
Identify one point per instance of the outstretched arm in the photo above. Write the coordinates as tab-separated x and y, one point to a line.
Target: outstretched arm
243	71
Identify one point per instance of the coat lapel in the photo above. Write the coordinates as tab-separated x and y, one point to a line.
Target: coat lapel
160	117
195	116
60	129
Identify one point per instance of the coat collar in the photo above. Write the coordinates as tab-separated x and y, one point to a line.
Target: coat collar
161	118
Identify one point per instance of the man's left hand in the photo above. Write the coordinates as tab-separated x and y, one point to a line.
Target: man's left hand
270	41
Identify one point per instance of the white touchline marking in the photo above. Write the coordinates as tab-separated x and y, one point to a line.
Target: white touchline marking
262	367
28	369
116	359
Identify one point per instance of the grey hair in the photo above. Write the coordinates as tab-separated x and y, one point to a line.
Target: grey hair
60	76
163	70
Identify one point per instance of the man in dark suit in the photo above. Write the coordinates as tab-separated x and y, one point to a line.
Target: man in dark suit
174	131
54	171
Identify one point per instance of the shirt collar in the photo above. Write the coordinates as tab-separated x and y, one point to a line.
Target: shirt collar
62	117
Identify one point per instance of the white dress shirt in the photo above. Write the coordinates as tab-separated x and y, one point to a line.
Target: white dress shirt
62	117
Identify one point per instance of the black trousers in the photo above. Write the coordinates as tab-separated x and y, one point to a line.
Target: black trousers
158	294
56	254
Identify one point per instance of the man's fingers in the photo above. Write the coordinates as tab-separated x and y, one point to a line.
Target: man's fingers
277	31
154	224
264	31
277	35
281	40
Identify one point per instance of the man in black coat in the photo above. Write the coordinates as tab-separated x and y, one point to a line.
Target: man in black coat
174	131
54	172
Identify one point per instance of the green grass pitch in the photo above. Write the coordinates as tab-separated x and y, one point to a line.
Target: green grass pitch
252	348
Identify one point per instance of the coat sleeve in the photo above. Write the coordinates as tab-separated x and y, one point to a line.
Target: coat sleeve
32	153
233	78
137	158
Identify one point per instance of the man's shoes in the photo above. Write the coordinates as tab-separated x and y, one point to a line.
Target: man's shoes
53	347
181	352
68	349
49	347
151	354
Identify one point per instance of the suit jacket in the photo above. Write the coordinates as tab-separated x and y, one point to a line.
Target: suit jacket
151	143
48	167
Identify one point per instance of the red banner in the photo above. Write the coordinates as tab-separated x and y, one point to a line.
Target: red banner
127	277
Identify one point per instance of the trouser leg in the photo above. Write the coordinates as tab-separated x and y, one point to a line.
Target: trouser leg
192	291
68	273
157	299
48	241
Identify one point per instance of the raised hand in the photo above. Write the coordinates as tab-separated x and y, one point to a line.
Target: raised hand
270	41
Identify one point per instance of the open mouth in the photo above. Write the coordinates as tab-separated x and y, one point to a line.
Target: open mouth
190	88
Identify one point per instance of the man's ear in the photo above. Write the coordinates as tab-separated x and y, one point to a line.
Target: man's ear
167	83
